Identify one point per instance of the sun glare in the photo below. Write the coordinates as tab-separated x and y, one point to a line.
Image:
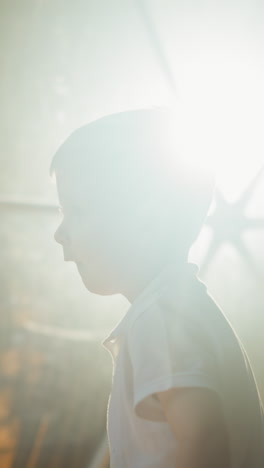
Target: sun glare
221	117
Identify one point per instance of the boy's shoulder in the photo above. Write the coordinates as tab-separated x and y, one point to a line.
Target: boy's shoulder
181	304
181	319
175	305
178	297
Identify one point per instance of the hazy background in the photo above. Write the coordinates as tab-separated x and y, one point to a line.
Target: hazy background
64	63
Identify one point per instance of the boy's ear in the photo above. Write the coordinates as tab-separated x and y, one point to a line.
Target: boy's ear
155	209
152	215
146	211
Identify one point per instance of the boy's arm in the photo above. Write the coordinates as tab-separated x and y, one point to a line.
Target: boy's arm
195	417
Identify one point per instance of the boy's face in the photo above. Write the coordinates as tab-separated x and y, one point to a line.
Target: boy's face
95	232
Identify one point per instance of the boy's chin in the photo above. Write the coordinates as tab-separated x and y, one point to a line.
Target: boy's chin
93	286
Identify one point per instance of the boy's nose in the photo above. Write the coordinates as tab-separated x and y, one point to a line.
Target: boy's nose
60	236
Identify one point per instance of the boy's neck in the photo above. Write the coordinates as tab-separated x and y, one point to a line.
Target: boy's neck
140	281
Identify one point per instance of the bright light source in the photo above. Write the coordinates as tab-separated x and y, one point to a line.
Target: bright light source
222	117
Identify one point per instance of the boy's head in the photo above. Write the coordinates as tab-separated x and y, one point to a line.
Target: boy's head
130	202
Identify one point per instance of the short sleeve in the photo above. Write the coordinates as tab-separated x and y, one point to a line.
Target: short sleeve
166	351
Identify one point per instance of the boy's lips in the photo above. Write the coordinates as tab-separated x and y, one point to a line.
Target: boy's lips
70	259
78	263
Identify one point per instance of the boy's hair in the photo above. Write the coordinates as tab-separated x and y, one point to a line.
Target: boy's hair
139	155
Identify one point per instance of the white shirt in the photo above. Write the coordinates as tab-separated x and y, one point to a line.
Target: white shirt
174	335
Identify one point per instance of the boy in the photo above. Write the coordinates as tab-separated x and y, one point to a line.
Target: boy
183	393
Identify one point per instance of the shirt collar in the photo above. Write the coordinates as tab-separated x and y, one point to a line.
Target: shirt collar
149	294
